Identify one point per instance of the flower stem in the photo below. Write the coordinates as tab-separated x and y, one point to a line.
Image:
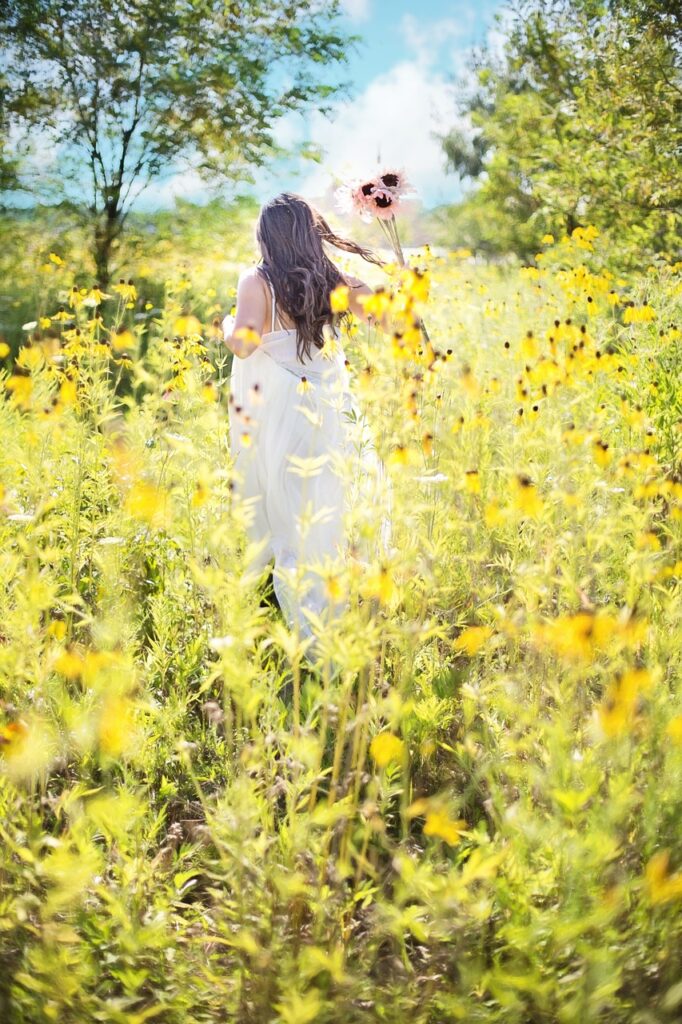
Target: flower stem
390	229
393	229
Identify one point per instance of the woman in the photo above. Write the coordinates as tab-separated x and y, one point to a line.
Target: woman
289	405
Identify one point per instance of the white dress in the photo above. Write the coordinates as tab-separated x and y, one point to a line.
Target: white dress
295	455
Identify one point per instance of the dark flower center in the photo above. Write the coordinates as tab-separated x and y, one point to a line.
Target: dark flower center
367	189
389	180
383	201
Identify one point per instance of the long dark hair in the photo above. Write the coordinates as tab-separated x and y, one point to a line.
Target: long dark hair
291	234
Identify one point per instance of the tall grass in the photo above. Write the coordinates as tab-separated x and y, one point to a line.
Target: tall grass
476	816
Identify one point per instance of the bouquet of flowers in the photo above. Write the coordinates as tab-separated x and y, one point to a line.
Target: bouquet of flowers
379	197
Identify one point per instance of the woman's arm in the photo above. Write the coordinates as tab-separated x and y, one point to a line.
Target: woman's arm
359	289
242	332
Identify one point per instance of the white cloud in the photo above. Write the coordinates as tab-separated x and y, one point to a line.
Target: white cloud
392	122
161	193
499	32
357	10
395	120
427	38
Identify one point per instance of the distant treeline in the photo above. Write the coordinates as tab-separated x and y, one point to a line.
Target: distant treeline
575	119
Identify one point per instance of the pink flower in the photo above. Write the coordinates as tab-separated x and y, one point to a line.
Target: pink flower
374	197
395	181
356	197
385	203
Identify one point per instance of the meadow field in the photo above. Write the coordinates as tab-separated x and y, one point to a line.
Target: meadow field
470	809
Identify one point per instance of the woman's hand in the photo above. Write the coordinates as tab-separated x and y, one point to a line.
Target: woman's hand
359	289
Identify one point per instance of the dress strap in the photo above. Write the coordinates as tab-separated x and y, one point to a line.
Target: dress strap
274	303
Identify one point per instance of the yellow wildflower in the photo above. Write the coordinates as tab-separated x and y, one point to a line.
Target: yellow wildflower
601	452
21	389
472	481
115	725
248	335
57	629
578	637
529	346
662	886
471	639
401	455
377	304
469	383
186	325
128	292
202	493
68	392
13	737
147	502
647	541
334	587
338	299
638	314
442	826
380	584
122	339
61	316
526	499
493	514
532	273
618	710
415	283
674	729
69	663
385	748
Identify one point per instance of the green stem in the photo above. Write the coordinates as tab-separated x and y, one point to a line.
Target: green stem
390	229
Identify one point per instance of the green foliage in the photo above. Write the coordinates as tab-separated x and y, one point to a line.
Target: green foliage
9	161
125	92
577	122
475	819
214	239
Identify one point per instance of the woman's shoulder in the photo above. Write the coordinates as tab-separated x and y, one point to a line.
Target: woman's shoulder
252	281
249	274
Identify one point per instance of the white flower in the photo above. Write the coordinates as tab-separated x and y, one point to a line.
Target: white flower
433	478
221	643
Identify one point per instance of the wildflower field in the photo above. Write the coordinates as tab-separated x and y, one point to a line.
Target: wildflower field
470	810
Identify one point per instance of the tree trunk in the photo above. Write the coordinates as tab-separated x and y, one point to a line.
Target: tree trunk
571	222
107	229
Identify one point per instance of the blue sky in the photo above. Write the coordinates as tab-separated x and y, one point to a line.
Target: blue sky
386	28
402	93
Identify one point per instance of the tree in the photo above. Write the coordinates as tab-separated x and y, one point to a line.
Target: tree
121	92
9	161
579	120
